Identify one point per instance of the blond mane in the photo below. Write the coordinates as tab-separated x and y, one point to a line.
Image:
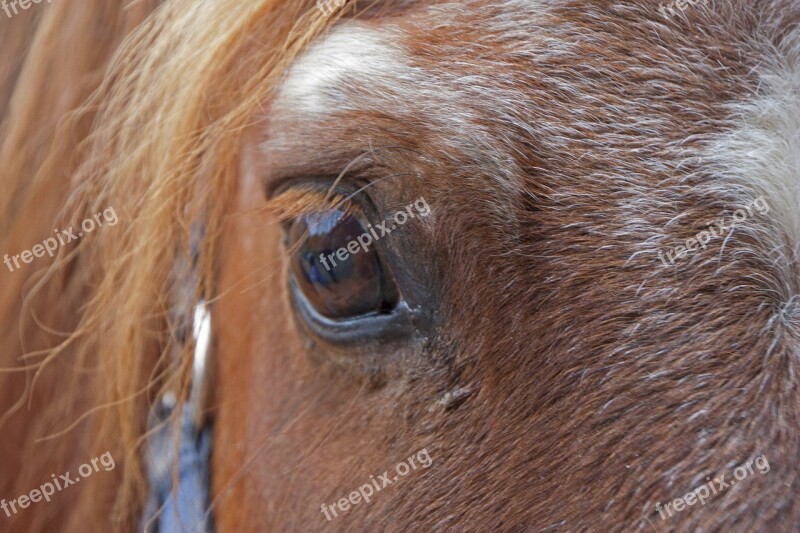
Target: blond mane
138	108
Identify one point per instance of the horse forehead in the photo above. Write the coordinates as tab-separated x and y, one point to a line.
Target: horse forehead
351	53
403	68
394	71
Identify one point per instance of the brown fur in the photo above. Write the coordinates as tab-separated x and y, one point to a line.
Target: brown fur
600	382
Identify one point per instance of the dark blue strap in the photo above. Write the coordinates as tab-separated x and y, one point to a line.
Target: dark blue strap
181	509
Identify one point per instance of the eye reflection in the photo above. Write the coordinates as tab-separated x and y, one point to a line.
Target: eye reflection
337	281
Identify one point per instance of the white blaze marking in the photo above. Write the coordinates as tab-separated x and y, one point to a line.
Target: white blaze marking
350	53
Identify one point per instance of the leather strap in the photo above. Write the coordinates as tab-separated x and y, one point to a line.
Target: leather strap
179	477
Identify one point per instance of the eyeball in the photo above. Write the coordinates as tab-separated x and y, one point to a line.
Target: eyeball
338	277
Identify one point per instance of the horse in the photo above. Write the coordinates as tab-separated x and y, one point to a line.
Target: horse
542	254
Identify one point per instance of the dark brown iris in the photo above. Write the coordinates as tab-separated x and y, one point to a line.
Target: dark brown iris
337	282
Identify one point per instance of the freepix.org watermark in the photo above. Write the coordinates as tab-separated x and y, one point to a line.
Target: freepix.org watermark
365	240
713	487
716	229
46	490
365	492
50	245
11	5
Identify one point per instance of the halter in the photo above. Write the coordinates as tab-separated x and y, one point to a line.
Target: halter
180	503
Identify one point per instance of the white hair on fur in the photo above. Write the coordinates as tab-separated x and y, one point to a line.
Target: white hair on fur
349	52
357	68
762	153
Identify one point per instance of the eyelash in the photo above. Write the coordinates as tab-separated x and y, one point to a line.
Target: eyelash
305	200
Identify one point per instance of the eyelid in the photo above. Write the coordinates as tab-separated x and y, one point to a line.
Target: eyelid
298	201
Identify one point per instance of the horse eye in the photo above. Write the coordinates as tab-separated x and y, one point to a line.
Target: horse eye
338	276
